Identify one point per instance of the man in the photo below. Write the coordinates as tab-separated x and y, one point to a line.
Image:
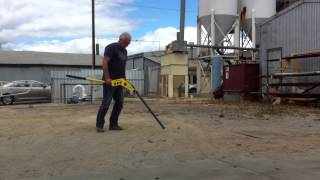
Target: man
114	66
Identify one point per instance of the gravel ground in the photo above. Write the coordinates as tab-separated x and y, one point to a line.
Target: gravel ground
203	139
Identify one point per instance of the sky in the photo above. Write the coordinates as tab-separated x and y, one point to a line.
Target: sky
65	25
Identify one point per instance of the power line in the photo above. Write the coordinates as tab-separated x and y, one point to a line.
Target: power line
147	41
162	8
154	8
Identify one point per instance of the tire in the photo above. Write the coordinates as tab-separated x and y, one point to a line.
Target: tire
193	90
7	100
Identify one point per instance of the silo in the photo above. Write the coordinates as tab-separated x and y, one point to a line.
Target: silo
259	9
225	14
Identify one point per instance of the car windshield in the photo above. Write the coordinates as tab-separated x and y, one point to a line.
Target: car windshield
37	84
18	84
8	84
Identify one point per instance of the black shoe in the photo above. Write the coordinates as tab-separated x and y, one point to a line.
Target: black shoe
100	130
115	128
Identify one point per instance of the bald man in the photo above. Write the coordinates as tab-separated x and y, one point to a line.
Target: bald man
114	67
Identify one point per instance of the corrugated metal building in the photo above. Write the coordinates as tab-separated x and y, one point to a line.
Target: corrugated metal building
149	62
144	60
295	29
17	65
282	4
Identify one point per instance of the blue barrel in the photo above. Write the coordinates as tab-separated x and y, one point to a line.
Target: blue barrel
216	72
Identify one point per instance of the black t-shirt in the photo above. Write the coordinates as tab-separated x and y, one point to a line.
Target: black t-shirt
118	58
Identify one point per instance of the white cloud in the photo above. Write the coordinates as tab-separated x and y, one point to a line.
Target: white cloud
159	38
65	26
151	41
82	45
61	18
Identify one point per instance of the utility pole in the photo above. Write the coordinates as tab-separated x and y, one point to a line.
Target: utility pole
179	45
93	47
93	38
182	19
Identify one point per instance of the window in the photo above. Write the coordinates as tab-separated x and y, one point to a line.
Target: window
9	85
36	84
19	84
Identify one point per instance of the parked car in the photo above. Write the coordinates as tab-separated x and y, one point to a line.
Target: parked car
192	88
24	90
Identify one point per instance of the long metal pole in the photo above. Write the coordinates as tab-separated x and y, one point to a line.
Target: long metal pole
199	41
222	47
145	104
93	37
93	46
312	73
213	31
253	28
237	36
182	18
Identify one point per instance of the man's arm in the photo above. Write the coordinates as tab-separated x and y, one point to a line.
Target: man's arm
105	67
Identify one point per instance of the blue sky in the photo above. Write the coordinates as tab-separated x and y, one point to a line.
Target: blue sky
65	26
162	13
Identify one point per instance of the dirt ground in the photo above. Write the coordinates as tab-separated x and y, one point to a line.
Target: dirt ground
203	139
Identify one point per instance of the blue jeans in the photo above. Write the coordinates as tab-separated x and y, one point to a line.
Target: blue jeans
110	92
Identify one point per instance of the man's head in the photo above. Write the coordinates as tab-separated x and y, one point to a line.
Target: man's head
124	39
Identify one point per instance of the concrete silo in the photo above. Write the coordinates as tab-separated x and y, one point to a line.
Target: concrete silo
253	12
220	13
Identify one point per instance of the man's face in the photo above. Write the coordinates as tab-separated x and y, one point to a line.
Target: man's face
125	42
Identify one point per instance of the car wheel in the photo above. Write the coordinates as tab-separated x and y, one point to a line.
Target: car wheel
193	90
7	100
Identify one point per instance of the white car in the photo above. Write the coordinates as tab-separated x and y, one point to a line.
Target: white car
24	90
192	88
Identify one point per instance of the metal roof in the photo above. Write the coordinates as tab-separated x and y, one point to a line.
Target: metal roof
154	56
47	58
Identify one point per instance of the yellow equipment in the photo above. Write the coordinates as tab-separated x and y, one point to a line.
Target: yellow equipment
124	83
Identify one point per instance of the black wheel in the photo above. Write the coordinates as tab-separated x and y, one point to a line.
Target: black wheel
193	90
7	100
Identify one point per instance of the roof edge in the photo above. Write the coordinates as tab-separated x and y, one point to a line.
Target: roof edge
286	10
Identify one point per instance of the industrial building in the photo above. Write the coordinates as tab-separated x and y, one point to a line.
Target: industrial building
290	44
259	47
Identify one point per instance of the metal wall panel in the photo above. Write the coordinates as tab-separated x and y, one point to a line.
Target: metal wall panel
150	64
137	79
295	29
153	80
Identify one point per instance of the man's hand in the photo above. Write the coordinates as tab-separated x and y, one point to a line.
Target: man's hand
105	67
108	80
